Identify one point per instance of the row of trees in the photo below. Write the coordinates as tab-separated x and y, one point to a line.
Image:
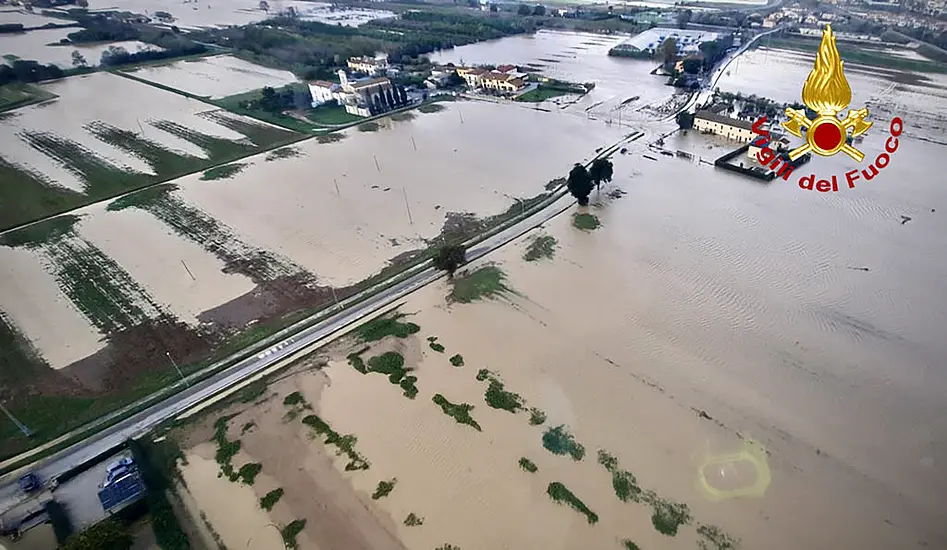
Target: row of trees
27	70
117	55
582	180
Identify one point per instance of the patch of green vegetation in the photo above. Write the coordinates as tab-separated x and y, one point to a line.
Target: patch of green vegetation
27	195
413	520
536	417
542	93
270	499
667	516
498	398
331	115
247	427
626	486
384	488
486	282
402	116
291	531
380	327
713	538
624	483
585	222
165	162
251	392
483	374
457	360
355	359
431	108
543	246
331	137
459	412
17	94
391	364
283	153
248	472
294	398
559	441
560	494
19	360
224	172
447	547
226	449
627	544
216	148
432	341
371	126
344	443
528	465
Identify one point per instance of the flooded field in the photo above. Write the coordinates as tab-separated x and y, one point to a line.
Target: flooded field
215	76
193	14
754	366
621	84
77	149
42	46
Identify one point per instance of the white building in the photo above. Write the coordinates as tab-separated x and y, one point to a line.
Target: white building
730	128
323	91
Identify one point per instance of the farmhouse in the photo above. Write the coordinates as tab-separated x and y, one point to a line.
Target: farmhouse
730	128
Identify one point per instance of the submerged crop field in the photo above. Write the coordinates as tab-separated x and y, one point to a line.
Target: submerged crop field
67	153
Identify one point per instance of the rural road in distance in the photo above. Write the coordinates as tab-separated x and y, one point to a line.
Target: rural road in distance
140	423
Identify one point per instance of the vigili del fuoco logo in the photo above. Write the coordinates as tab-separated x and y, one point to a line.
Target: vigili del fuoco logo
826	92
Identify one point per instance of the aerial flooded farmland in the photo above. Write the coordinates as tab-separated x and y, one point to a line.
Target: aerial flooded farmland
694	360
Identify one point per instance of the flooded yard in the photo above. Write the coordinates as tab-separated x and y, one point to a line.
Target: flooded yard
215	76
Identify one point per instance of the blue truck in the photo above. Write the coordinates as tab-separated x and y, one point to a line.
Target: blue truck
122	486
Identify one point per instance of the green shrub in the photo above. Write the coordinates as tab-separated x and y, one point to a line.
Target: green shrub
413	520
498	398
378	328
528	465
559	441
536	417
459	412
270	499
384	488
294	398
248	472
290	532
457	360
560	494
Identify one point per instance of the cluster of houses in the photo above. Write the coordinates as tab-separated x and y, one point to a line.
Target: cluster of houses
503	80
369	95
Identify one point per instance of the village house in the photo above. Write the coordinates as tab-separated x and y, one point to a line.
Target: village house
372	66
505	79
777	143
730	128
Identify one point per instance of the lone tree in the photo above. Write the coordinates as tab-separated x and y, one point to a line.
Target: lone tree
450	257
580	184
601	170
685	120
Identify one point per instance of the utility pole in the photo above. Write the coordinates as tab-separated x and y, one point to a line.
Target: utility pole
414	144
336	298
26	431
376	163
193	278
406	206
337	192
181	374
